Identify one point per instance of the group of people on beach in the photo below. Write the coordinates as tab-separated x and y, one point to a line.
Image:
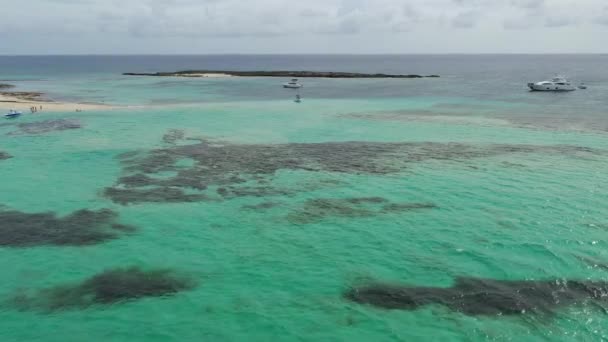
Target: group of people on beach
35	109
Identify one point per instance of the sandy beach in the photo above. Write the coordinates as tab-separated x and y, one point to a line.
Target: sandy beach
10	101
206	75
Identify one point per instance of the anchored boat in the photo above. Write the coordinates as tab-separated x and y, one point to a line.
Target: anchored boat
12	114
293	84
557	83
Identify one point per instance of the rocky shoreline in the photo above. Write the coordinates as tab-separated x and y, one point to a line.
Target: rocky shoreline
293	74
32	96
15	96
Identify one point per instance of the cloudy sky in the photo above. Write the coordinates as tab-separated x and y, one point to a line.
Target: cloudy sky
304	26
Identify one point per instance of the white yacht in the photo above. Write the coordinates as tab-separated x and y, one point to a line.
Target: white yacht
293	84
557	83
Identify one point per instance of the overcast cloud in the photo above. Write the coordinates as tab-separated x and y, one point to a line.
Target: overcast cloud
309	26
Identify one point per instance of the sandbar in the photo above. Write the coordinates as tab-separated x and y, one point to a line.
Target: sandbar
24	101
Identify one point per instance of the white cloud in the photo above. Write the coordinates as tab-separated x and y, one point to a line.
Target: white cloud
162	20
560	21
465	19
528	4
602	19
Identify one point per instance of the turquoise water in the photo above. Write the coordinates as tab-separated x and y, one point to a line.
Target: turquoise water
279	272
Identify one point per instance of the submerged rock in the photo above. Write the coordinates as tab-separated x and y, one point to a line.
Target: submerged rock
240	170
156	195
315	210
109	287
4	155
477	297
261	206
23	95
41	127
82	227
173	136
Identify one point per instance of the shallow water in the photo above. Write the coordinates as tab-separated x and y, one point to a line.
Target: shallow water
444	182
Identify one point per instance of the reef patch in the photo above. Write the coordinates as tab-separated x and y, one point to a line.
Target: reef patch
315	210
155	195
485	297
107	288
261	206
4	155
236	170
42	127
81	228
173	136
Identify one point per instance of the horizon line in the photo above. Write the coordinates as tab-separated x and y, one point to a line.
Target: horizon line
304	54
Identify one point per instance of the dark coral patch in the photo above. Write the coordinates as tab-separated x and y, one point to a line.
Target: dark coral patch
83	227
42	127
240	170
109	287
401	207
173	136
315	210
261	206
362	200
484	297
4	155
155	195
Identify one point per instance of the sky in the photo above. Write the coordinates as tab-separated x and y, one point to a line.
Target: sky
305	26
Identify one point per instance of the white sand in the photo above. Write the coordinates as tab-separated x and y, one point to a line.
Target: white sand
11	102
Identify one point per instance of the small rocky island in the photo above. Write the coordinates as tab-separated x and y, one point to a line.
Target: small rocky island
293	74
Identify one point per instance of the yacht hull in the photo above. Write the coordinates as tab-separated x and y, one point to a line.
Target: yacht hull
551	88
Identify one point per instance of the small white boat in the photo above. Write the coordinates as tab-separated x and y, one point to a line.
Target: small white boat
12	114
557	83
293	84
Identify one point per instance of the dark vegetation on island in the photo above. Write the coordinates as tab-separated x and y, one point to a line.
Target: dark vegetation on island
294	74
192	170
80	228
106	288
6	86
486	297
42	127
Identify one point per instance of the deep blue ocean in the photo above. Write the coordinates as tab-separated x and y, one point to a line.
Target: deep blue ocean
590	68
472	78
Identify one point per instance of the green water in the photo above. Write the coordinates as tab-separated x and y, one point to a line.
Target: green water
261	276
